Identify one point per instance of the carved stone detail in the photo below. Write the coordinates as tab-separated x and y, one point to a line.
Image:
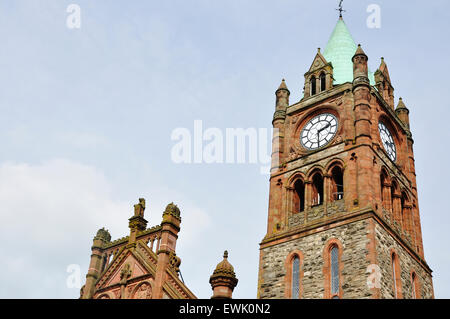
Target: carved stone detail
125	273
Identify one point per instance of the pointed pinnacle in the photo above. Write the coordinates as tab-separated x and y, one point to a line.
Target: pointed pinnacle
401	105
360	51
283	85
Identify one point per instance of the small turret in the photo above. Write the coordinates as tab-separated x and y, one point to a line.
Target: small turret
104	235
283	85
279	118
96	264
360	68
363	125
223	279
282	101
171	220
361	93
402	112
172	210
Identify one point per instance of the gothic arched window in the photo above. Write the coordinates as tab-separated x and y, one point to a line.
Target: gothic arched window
300	199
313	85
334	261
382	182
317	198
394	270
406	213
396	275
394	201
323	82
393	187
337	183
295	289
413	285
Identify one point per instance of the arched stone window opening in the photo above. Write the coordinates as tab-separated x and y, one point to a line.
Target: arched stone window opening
334	262
313	85
337	179
413	285
295	287
294	275
317	190
406	213
403	202
415	289
396	280
332	270
299	187
385	191
323	82
393	188
382	188
395	202
394	270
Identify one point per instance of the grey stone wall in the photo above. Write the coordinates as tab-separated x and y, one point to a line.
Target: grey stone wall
354	259
354	279
384	244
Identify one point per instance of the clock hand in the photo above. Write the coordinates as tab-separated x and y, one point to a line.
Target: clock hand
321	130
325	127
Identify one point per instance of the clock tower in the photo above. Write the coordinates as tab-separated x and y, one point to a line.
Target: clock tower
343	217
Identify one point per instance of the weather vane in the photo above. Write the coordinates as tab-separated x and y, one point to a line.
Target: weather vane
340	9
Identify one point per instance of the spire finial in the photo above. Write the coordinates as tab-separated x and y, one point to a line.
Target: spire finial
340	9
283	85
360	51
223	279
401	104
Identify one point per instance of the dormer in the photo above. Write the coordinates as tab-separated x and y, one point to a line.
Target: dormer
319	78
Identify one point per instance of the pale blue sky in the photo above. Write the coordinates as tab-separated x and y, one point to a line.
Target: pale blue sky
86	118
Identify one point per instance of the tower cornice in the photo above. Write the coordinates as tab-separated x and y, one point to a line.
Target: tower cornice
318	98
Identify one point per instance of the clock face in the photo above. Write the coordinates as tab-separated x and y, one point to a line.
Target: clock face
319	131
388	141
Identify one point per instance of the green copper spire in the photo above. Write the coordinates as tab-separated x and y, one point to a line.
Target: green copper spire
339	51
